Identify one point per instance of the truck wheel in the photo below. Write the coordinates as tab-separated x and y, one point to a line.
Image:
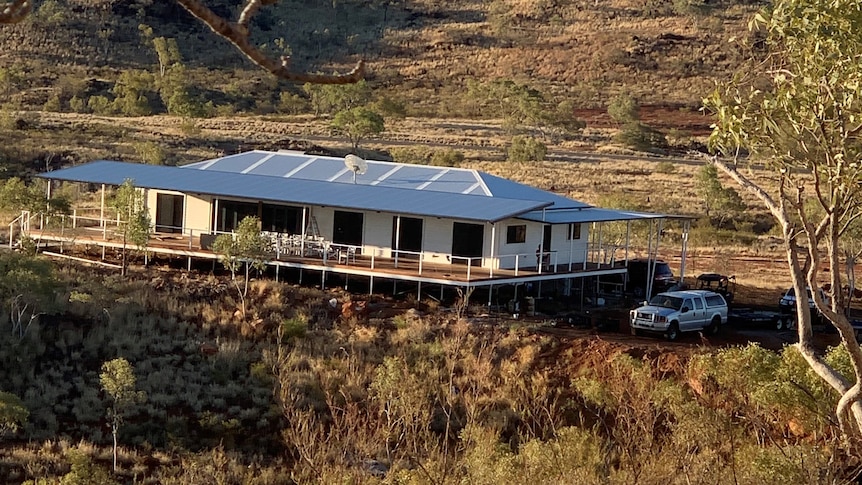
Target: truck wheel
779	323
714	326
672	332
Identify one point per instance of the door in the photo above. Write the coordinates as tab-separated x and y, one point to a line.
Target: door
169	213
467	242
688	319
408	236
347	228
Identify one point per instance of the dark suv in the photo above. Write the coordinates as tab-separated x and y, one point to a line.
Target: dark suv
638	270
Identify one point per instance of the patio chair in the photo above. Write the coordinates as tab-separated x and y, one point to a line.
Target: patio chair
347	255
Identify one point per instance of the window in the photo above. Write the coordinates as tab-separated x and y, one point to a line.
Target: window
715	300
698	305
574	231
516	234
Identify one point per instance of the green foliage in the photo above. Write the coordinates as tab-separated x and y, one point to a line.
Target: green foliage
11	78
168	53
335	98
134	218
12	413
719	202
119	383
638	136
624	109
291	103
26	289
77	105
131	93
100	105
518	104
389	107
665	167
16	196
293	329
245	247
150	152
358	124
447	157
85	472
53	104
50	14
525	149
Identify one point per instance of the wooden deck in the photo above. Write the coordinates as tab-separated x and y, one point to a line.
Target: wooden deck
454	274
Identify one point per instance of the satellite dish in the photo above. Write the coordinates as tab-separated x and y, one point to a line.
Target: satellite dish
356	164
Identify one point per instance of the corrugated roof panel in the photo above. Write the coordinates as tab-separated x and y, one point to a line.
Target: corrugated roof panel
297	191
513	190
236	163
411	176
279	164
324	168
455	181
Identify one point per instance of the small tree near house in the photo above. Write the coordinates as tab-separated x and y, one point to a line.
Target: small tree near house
245	248
134	226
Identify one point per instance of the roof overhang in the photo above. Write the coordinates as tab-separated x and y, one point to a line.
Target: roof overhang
592	214
303	192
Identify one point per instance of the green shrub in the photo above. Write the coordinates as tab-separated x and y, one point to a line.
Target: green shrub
77	105
526	148
665	167
639	136
293	328
448	157
100	105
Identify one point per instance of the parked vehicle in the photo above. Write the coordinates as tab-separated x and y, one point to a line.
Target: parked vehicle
638	276
718	283
673	312
787	308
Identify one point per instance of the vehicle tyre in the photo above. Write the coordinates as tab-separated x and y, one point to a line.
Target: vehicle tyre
672	332
779	323
714	326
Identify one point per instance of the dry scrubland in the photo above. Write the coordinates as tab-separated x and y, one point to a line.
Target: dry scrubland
406	393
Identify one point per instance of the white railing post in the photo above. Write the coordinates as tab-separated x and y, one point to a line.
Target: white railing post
469	264
420	263
517	262
74	218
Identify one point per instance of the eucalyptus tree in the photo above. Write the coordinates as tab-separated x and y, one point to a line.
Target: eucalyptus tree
119	383
134	218
795	109
245	248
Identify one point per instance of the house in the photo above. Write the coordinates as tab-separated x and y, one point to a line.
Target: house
424	224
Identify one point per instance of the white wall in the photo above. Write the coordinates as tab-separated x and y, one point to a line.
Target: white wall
436	234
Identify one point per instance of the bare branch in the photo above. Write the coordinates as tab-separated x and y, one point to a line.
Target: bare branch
237	34
14	12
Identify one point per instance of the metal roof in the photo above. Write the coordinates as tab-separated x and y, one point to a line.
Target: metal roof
589	214
426	178
404	195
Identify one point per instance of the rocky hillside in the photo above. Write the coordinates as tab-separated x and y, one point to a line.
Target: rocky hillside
666	52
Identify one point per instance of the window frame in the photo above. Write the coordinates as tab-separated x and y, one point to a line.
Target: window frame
516	234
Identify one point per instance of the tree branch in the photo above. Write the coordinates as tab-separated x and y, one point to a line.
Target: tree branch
14	12
237	34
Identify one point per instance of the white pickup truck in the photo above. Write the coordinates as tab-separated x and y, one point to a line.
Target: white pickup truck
673	312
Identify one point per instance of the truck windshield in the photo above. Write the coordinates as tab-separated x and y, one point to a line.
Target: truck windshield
666	301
